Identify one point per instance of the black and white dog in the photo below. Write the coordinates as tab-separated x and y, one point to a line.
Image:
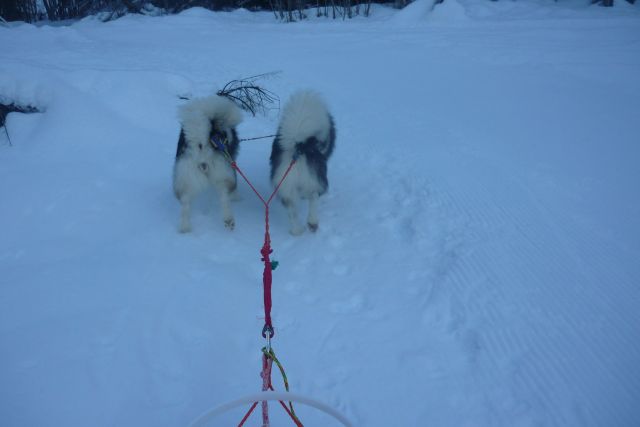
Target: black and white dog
206	122
307	133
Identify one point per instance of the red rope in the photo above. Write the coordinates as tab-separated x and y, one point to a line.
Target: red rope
266	247
246	416
234	165
266	281
284	406
293	417
266	385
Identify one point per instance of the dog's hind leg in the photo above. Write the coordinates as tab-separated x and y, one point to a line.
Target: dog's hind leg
185	213
312	218
224	192
295	228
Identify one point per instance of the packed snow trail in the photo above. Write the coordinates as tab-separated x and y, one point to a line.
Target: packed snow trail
477	248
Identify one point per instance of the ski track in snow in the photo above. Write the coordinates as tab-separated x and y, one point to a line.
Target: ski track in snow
453	281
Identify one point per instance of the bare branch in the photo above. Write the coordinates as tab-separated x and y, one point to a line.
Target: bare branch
250	96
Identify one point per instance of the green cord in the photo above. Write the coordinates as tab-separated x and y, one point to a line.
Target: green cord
271	355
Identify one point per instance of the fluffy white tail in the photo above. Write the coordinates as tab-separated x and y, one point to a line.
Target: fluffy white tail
196	116
305	115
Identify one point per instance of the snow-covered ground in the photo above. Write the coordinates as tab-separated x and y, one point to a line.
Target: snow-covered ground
477	262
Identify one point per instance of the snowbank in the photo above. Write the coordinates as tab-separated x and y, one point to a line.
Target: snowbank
478	247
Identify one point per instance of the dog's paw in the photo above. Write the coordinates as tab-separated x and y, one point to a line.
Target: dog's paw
313	227
230	223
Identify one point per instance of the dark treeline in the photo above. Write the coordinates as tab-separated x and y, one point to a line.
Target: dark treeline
289	10
286	10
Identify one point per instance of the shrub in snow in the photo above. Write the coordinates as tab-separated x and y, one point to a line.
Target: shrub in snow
5	109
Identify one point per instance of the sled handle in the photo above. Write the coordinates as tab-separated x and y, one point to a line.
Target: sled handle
269	395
